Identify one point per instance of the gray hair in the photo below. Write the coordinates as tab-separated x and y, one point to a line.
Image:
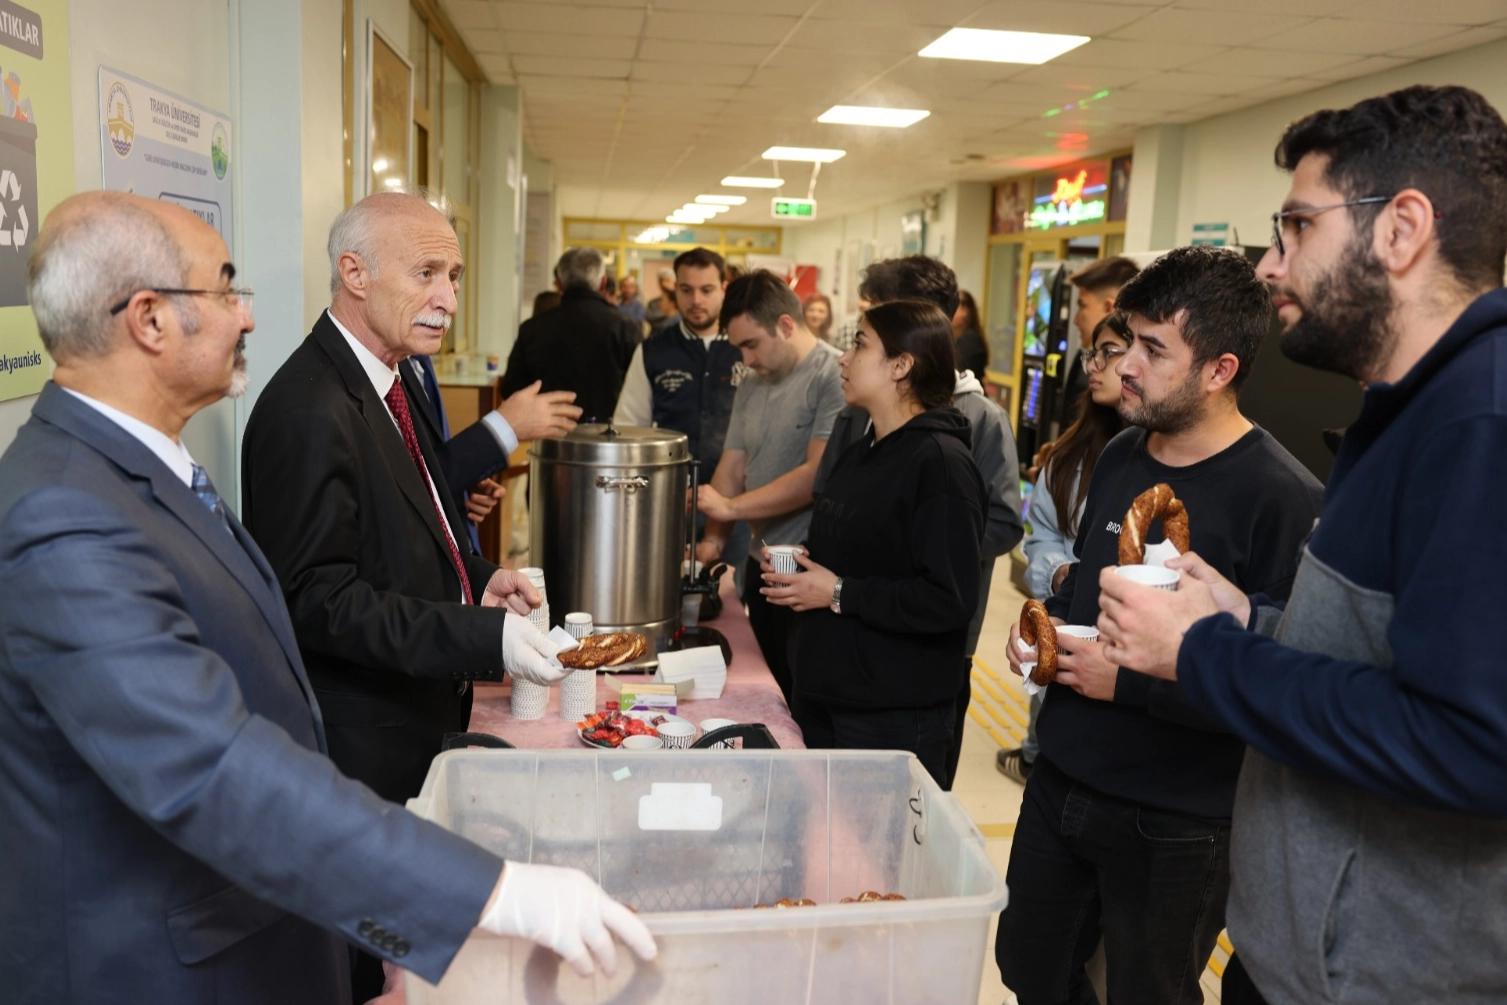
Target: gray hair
354	229
580	267
86	262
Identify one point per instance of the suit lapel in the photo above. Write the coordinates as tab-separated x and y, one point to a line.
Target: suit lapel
235	551
418	399
385	432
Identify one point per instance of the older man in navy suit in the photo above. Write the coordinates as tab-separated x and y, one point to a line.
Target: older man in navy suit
172	829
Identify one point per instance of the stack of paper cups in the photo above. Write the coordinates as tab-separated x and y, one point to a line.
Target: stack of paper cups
539	617
578	691
529	699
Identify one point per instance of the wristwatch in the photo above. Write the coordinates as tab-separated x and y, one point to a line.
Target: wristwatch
837	596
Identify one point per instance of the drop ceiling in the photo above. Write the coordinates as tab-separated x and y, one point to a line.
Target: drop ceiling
640	105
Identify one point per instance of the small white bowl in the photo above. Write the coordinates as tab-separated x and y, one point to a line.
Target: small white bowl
643	743
707	725
677	735
1150	575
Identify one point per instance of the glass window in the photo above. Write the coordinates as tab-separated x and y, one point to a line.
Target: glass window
754	240
457	113
583	230
1004	306
418	52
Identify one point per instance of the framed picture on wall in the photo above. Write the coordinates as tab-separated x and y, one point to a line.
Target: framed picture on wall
389	112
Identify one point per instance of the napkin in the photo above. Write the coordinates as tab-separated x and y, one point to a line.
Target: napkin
1031	687
1160	554
565	640
702	665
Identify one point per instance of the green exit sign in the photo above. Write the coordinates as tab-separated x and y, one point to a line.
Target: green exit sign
794	209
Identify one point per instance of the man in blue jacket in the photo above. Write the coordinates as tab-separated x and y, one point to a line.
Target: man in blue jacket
1370	837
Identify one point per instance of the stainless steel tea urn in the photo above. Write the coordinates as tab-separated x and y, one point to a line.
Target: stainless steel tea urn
608	525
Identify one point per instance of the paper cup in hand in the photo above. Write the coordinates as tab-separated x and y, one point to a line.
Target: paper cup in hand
782	557
1150	575
1088	633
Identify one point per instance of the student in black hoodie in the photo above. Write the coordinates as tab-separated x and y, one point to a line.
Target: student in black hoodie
891	575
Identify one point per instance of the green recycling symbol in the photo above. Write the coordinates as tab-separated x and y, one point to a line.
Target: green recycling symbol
12	235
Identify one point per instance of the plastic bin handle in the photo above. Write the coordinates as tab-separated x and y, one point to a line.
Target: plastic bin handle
755	736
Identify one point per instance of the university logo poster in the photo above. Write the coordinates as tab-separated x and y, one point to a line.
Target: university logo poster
36	171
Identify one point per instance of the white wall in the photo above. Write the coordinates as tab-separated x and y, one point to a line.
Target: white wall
1227	172
500	214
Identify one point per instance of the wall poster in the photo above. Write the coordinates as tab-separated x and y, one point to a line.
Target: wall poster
162	146
36	171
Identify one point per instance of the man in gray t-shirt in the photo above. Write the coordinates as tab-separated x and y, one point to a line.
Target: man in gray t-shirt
782	416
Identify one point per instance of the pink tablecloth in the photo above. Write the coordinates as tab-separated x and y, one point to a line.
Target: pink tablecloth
751	695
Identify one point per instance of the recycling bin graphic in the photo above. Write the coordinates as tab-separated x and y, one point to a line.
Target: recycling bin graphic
18	206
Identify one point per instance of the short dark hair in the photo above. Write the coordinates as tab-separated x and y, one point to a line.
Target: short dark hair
1105	275
764	297
914	277
919	327
701	258
1447	142
1228	309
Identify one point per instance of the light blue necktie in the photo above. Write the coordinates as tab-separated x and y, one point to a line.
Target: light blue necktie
205	490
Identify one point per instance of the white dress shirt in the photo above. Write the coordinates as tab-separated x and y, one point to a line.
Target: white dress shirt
382	377
168	450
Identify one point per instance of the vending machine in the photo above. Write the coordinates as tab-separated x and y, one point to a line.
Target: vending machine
1044	355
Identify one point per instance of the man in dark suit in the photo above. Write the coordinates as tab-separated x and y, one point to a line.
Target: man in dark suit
171	826
584	345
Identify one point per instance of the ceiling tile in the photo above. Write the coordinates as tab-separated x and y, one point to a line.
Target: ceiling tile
940	13
671	90
1067	18
1139	55
1079	79
1302	8
1226	27
739	29
1469	38
1207	84
1147	101
1286	88
1462	12
1276	62
480	40
533	43
1361	68
569	18
691	73
553	66
791	7
470	13
1362	38
861	36
661	50
536	86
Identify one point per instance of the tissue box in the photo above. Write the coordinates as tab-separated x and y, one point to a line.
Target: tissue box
649	697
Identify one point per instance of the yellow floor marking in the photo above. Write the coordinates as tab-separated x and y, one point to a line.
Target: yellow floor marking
993	733
1217	966
1224	943
992	831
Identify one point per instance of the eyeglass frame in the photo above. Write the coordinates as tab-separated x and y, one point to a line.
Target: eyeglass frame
1283	214
1085	358
241	293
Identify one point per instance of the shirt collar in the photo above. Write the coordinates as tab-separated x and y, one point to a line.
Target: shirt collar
686	331
379	373
168	450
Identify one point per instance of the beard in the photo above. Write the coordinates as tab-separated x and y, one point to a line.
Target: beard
1345	327
1178	412
240	380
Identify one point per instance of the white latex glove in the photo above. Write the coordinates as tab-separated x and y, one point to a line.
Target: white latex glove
563	910
526	653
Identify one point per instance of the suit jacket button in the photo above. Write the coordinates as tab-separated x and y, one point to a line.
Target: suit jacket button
365	928
376	934
400	949
390	941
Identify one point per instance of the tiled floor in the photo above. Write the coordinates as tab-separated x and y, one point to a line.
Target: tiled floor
997	718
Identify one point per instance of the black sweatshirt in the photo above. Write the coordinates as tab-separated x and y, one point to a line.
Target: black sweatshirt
902	522
1250	508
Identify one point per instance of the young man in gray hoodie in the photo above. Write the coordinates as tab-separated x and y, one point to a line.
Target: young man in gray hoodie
1370	822
918	277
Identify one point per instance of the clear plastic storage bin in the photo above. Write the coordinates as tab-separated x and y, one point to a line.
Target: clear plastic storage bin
693	840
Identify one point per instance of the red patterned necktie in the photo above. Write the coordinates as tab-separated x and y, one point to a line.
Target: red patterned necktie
397	402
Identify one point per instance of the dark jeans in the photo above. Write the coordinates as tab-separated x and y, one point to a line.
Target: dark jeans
959	720
925	732
772	626
1237	988
1082	863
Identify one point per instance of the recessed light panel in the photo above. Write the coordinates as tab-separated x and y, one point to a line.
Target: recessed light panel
859	115
736	181
1002	46
722	200
815	154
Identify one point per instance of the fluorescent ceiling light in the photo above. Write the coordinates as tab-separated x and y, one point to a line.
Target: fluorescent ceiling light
816	154
704	210
859	115
722	200
735	181
694	213
678	217
1002	46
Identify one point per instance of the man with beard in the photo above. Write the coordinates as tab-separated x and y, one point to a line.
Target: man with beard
1124	829
1371	845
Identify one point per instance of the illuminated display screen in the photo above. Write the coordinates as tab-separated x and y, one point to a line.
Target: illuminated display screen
1080	194
804	209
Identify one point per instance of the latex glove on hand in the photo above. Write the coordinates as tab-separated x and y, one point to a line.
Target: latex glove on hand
563	910
526	653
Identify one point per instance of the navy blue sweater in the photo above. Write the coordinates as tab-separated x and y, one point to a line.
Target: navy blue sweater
1408	568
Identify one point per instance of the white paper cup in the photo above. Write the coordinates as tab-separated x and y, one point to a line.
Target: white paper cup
529	700
642	743
1087	633
782	557
690	610
578	695
677	735
1150	575
707	725
579	625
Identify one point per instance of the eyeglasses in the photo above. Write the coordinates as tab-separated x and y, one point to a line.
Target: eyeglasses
1100	358
1288	214
236	296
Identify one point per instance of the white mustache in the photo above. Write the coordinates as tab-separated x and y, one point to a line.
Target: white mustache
439	319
